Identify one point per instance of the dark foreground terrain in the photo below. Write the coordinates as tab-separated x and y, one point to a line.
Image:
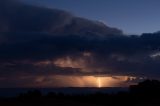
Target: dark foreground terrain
146	93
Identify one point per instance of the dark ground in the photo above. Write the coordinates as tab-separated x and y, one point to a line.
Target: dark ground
146	93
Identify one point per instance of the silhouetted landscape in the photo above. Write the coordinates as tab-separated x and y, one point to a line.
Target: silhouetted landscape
146	93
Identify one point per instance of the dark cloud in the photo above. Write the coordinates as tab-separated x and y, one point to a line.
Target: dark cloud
19	17
117	55
36	41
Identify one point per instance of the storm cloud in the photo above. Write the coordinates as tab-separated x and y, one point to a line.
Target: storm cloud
18	17
37	41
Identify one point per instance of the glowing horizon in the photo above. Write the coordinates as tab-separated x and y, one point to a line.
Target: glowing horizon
81	81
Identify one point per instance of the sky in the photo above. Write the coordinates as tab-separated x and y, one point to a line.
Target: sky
41	46
132	16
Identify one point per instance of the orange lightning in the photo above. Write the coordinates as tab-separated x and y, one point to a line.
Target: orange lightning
99	82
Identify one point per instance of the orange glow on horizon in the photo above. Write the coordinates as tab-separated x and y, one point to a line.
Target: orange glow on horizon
83	81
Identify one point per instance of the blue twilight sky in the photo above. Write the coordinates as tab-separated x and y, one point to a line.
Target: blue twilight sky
132	16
